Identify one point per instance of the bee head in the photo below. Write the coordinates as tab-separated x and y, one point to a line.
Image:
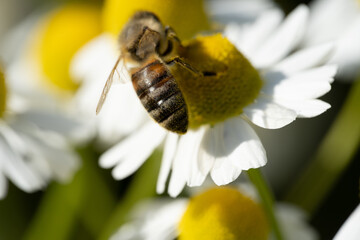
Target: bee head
142	35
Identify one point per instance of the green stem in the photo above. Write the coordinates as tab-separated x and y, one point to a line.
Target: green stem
333	156
142	186
267	199
85	201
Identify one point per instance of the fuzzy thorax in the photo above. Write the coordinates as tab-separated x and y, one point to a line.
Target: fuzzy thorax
223	213
230	82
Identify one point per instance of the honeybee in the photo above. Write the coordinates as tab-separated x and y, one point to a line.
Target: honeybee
148	50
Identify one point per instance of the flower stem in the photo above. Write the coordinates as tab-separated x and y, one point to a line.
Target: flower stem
331	159
142	186
267	199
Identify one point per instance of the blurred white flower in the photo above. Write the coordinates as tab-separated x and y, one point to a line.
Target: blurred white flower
338	21
292	82
240	11
47	90
160	218
350	229
31	157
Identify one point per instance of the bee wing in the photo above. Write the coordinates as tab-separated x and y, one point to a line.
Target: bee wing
122	76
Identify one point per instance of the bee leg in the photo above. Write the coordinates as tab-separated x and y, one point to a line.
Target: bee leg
182	63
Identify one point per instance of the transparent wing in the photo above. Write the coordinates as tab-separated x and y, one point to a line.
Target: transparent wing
121	76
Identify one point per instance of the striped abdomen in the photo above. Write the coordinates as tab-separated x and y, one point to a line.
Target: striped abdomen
160	95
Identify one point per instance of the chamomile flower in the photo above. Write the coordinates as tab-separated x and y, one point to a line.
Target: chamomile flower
38	54
268	84
30	157
338	21
217	213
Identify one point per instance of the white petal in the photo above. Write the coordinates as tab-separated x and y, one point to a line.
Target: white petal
211	147
347	54
137	154
294	224
242	145
163	222
268	114
350	229
199	167
74	128
307	84
307	108
249	37
95	59
60	158
167	159
16	170
330	19
122	113
239	11
305	58
287	36
155	219
224	172
132	144
3	185
188	144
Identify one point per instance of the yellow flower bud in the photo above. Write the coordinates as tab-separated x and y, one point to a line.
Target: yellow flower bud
62	33
223	213
187	17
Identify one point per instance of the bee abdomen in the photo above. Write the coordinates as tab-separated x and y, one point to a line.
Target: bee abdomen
160	95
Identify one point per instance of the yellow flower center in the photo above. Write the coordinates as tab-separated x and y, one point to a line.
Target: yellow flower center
223	213
2	93
62	33
232	82
187	17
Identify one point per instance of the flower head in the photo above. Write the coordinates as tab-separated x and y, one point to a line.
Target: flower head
268	84
216	213
284	86
235	82
29	156
223	213
39	71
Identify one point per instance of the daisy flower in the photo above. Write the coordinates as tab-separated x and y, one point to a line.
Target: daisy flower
268	84
30	157
208	216
37	54
338	21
